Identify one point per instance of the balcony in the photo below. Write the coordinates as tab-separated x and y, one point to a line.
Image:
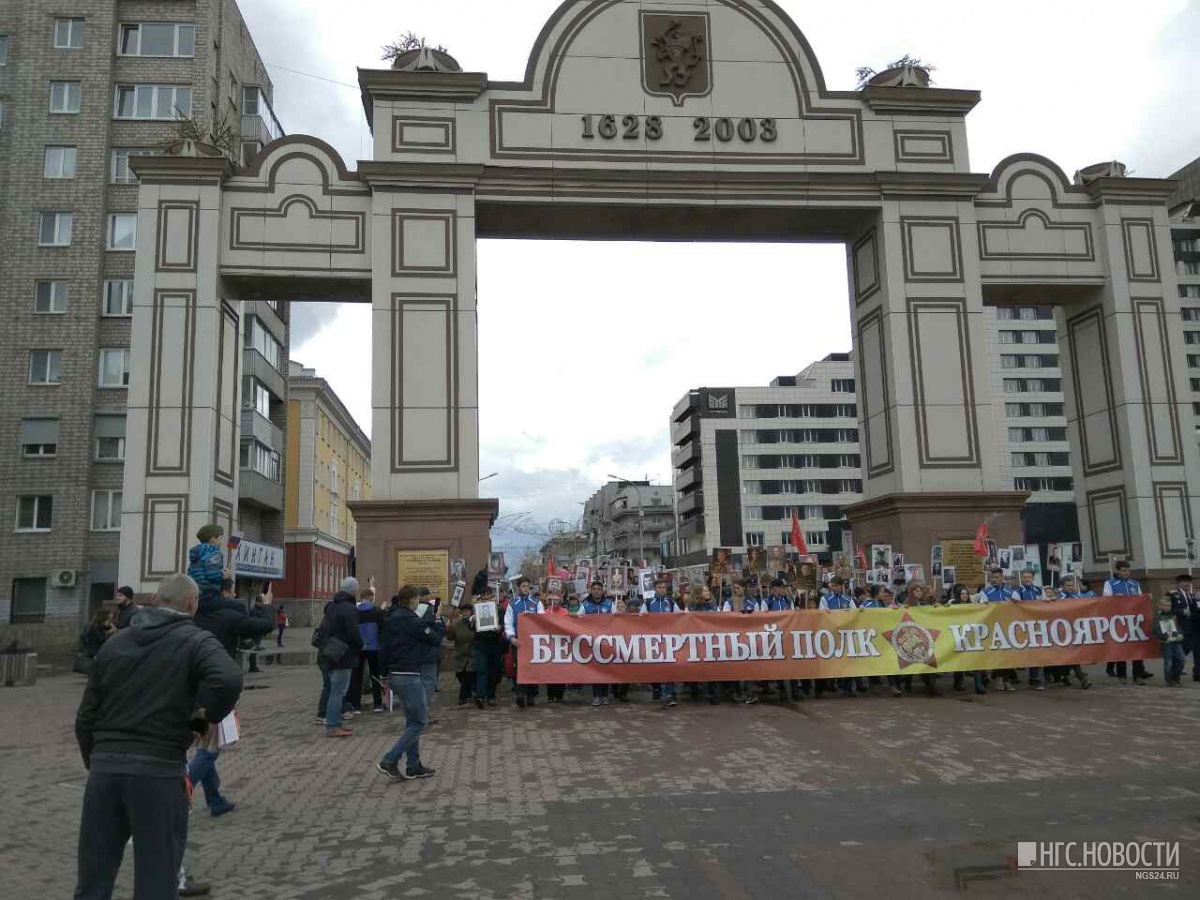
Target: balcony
687	478
258	123
691	502
680	431
260	490
680	455
255	425
690	528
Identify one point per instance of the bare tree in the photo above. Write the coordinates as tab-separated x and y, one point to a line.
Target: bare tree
408	41
866	73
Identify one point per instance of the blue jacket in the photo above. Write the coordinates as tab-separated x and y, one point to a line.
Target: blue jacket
517	607
368	625
206	567
1033	592
837	601
997	594
409	642
870	603
1074	595
658	604
591	607
1121	587
776	604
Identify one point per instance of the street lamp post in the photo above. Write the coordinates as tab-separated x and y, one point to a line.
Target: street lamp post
641	515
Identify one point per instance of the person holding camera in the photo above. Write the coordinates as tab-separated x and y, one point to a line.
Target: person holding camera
406	644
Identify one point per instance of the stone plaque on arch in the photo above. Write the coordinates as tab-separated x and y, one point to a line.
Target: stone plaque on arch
675	61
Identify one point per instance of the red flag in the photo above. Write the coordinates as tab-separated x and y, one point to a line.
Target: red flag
798	536
981	536
862	558
551	569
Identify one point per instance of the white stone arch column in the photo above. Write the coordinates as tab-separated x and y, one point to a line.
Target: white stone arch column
181	460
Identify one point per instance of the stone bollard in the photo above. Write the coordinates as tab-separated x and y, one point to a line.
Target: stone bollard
18	666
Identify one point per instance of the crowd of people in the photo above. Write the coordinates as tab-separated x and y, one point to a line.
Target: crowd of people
182	648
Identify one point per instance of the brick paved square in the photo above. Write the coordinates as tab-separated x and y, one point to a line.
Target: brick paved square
832	798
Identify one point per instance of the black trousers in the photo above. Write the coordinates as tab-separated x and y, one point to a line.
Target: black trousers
370	661
154	812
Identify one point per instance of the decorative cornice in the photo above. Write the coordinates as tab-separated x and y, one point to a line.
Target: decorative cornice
389	84
1152	190
921	101
425	177
934	502
181	169
424	510
947	184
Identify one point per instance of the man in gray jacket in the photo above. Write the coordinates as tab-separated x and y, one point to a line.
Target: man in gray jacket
138	717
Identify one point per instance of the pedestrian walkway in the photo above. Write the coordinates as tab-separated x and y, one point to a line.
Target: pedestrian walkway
830	798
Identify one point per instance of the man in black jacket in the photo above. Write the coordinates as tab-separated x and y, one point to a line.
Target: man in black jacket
342	616
406	643
229	625
125	608
134	726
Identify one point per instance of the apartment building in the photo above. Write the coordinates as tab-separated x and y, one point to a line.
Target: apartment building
84	86
625	519
746	458
328	465
1184	210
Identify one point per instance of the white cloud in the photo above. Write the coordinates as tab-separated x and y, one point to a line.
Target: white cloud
584	347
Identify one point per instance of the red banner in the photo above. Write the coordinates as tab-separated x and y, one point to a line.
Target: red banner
832	644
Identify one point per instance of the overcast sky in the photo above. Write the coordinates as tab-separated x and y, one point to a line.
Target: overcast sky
585	347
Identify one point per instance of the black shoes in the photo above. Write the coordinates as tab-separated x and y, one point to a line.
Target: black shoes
391	770
420	772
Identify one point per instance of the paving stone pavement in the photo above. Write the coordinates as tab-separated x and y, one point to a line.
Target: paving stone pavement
832	798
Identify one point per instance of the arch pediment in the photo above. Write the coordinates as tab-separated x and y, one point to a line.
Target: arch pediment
694	81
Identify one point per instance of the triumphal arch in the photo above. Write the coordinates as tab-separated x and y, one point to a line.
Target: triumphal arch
681	119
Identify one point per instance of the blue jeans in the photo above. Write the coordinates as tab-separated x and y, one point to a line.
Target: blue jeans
668	690
202	770
339	683
1173	660
409	690
487	669
429	677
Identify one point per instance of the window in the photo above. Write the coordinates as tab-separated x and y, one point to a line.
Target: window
754	538
68	34
1190	292
1044	484
44	366
850	486
820	538
1191	313
3	49
1191	337
54	229
747	412
29	601
258	338
848	461
1008	337
114	367
261	459
119	169
110	438
1010	362
122	231
1005	313
1	115
845	411
39	438
255	396
50	297
65	97
158	39
1193	361
153	101
118	297
59	162
842	385
34	512
106	510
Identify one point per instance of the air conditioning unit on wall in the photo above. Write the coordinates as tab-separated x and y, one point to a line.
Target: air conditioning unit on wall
63	578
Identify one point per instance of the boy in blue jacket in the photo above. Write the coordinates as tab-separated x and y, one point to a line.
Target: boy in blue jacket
206	567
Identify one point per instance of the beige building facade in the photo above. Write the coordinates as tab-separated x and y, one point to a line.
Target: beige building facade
707	120
328	467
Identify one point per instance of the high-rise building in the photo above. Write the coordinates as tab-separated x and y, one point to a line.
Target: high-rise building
1184	211
84	86
625	518
746	458
328	465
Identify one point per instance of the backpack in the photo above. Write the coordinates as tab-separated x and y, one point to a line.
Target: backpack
320	635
